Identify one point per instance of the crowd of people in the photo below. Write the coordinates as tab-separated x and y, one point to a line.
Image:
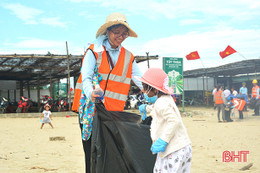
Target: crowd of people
228	101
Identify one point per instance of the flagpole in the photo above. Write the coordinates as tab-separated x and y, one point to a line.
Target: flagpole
242	55
203	81
202	63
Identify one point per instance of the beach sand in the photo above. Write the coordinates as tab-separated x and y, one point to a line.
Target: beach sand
24	147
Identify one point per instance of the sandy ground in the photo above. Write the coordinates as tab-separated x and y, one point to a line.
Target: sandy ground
26	148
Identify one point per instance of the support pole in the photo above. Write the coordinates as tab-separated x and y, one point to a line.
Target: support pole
8	95
68	65
51	93
28	88
38	91
58	87
21	88
203	93
15	95
147	54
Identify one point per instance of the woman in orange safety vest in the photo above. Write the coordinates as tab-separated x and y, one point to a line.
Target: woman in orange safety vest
115	64
219	102
239	104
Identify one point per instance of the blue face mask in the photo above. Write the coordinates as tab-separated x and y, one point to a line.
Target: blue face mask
150	99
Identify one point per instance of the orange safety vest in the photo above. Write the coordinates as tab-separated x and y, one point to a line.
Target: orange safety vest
254	91
241	105
218	98
78	89
118	84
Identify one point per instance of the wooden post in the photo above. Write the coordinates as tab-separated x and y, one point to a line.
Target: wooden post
21	88
38	91
28	88
147	53
15	95
68	65
8	95
58	87
203	93
51	94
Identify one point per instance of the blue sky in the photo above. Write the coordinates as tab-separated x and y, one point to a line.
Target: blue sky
165	28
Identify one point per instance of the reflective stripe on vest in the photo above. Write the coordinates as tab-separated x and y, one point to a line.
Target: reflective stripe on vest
116	78
241	105
118	96
254	91
78	88
218	98
118	84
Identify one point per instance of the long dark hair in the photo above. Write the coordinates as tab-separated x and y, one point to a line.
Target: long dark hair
219	86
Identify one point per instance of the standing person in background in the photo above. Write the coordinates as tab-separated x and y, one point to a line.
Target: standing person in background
220	100
244	93
255	94
226	92
213	93
116	66
234	92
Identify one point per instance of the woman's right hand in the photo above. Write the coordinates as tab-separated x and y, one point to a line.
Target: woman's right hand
93	96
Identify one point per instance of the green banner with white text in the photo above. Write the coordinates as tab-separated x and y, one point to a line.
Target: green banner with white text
173	67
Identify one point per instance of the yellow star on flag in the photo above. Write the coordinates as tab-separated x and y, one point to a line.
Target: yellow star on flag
192	55
227	53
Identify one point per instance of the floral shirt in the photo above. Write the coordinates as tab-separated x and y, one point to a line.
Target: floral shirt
87	108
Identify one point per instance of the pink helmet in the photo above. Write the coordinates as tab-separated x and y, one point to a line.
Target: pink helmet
156	78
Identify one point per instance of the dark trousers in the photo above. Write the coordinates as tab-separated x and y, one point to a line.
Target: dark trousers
256	110
220	108
87	150
257	104
240	114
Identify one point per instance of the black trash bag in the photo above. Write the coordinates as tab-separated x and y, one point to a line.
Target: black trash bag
119	143
252	103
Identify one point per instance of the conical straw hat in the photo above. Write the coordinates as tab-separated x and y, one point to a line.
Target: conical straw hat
115	19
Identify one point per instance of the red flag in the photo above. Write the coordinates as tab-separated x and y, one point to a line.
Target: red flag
228	51
193	56
71	89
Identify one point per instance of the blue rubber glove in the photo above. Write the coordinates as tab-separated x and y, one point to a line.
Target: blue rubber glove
143	111
158	146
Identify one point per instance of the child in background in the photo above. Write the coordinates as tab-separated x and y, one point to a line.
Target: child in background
171	142
46	115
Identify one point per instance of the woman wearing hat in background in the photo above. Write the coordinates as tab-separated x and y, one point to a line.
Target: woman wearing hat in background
114	63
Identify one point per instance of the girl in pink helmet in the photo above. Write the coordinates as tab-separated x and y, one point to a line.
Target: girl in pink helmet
171	142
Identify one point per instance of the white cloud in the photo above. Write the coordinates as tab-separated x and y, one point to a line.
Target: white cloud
190	21
34	43
26	14
208	44
32	15
53	21
40	46
178	8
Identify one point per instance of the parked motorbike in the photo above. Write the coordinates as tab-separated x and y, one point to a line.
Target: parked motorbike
61	104
140	100
24	105
127	103
46	100
3	104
